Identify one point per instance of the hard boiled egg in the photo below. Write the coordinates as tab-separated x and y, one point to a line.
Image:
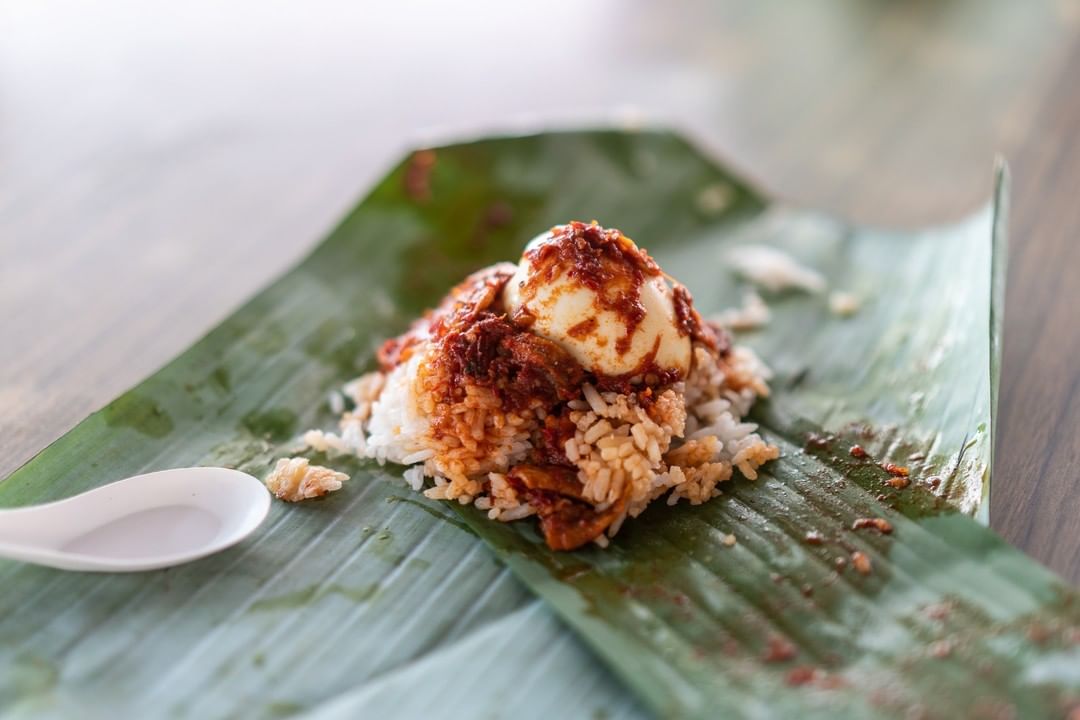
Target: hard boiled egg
601	298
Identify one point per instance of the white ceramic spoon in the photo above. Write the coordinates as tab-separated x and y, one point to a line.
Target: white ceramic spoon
144	522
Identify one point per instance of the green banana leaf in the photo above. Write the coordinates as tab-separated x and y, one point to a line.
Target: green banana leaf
376	602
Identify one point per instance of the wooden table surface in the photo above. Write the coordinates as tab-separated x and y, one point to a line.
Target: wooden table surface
158	165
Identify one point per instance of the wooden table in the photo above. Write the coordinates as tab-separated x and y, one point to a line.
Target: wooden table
157	166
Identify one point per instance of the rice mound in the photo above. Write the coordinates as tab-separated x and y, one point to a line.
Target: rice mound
504	397
686	442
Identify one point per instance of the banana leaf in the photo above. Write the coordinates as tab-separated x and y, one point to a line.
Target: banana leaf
376	602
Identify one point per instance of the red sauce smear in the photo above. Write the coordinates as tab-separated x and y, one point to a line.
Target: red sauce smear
895	470
882	525
647	373
779	650
689	323
556	431
521	368
802	675
584	329
899	473
861	563
475	294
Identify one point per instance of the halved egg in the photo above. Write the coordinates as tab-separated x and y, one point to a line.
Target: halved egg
601	298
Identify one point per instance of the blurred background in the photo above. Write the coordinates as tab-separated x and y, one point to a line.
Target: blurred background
159	162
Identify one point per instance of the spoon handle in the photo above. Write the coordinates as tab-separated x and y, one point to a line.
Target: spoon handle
28	537
32	554
19	526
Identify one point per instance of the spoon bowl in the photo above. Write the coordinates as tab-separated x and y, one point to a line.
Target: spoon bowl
144	522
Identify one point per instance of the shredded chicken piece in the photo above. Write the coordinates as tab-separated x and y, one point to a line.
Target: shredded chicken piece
294	479
773	269
753	314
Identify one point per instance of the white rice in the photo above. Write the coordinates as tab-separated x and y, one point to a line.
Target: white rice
397	428
414	476
336	402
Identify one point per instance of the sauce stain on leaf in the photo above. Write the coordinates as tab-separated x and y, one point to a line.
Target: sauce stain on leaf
337	344
140	413
276	424
267	339
220	378
283	708
34	675
312	594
